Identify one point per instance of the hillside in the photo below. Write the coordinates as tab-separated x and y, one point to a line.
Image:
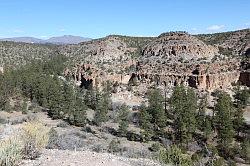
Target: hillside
229	43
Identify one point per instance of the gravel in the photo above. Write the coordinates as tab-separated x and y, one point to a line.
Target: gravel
78	158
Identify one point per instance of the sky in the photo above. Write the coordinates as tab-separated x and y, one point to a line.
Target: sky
99	18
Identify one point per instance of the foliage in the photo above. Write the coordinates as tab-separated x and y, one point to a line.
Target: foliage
224	122
35	138
78	114
155	147
175	156
10	151
102	107
123	120
242	97
145	124
114	146
27	144
156	108
245	152
184	104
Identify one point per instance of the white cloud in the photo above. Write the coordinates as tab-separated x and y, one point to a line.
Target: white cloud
215	27
194	29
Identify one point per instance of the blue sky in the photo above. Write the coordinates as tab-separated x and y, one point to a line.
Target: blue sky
98	18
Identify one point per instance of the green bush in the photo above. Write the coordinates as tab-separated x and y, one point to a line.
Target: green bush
155	147
175	156
114	146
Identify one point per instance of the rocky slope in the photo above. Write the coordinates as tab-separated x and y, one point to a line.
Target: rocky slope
178	46
172	58
200	61
229	43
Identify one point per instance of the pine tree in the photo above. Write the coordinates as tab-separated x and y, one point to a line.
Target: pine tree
55	99
184	104
24	107
123	120
145	124
156	108
241	101
68	98
224	122
102	108
78	114
201	116
207	129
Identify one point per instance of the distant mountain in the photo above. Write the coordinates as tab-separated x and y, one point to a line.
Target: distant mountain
66	39
23	39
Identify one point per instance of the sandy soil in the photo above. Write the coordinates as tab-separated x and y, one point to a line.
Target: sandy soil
84	158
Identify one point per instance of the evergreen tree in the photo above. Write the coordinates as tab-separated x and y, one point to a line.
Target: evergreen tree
68	98
224	122
78	114
145	124
207	129
55	99
184	104
156	108
102	107
201	116
241	101
24	108
123	120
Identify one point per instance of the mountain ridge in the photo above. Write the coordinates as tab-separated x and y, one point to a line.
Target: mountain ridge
65	39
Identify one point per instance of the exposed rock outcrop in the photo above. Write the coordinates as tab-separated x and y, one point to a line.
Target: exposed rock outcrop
176	46
171	59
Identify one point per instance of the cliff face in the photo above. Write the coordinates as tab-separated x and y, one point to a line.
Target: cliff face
173	58
169	60
207	76
176	46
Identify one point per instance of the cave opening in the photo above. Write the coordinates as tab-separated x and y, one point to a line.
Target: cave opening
86	83
133	80
192	82
247	53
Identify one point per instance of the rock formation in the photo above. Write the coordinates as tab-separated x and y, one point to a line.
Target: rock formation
171	59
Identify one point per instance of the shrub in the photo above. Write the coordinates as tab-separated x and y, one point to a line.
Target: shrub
35	137
10	152
175	156
114	146
155	147
3	121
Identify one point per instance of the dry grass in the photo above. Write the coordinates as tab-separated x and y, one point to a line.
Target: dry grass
33	137
10	151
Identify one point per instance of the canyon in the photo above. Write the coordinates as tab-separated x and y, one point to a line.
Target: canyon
171	59
205	62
